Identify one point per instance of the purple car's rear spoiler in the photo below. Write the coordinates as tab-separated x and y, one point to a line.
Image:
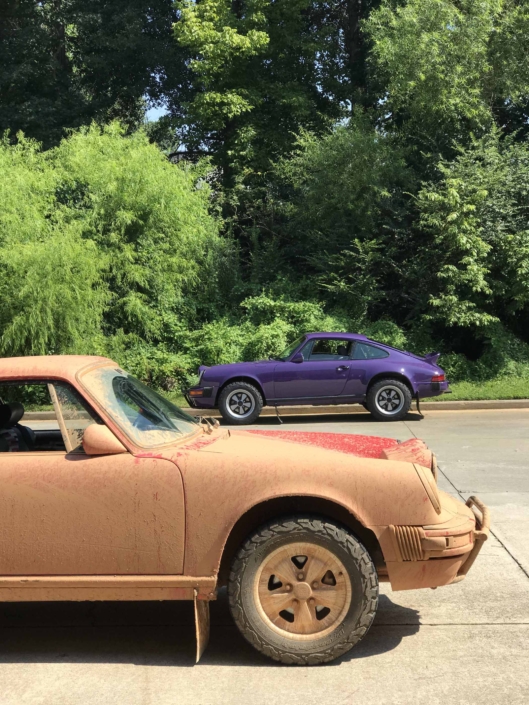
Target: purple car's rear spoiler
432	357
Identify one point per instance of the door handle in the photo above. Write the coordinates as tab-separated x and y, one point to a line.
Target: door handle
342	368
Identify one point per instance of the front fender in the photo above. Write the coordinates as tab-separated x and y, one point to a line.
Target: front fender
224	479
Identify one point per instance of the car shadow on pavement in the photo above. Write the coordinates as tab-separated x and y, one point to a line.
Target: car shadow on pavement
156	634
356	419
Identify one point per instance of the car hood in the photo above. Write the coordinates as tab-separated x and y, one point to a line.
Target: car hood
360	446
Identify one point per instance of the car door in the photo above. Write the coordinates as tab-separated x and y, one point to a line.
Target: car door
366	360
321	376
66	513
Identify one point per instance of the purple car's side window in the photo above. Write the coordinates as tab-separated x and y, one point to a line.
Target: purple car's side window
325	349
363	351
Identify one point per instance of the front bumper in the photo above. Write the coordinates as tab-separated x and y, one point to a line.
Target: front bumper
432	556
200	397
481	534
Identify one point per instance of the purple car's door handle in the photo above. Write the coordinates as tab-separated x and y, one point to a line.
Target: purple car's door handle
342	368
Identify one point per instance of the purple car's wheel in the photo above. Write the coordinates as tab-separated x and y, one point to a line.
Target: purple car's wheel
389	400
240	403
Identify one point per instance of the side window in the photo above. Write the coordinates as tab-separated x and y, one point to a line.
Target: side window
330	349
363	351
16	432
63	418
73	415
306	350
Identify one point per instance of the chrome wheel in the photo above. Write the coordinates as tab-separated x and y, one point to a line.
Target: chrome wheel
240	403
389	400
302	591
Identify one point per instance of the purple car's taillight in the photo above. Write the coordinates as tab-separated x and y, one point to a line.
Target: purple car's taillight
438	378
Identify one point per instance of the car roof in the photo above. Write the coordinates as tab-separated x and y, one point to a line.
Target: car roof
351	336
46	366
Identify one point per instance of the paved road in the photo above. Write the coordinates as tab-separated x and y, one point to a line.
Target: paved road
465	644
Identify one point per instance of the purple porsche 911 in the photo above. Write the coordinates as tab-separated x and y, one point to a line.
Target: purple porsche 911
321	368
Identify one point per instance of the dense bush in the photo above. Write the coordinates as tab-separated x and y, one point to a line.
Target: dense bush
104	245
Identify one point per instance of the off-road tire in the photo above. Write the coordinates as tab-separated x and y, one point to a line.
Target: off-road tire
400	389
247	389
354	557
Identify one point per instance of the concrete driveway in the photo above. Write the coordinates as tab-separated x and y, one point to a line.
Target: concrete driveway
468	643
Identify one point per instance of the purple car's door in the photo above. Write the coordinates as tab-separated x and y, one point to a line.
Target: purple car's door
366	361
322	374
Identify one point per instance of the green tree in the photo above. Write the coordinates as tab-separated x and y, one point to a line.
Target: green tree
477	220
102	236
50	277
264	70
64	63
445	66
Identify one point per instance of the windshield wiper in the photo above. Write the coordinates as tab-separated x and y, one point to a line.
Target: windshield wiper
208	424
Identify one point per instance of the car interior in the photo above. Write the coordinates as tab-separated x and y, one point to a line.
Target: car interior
328	349
43	434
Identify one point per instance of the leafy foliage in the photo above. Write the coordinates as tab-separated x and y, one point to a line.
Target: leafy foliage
65	63
102	236
340	166
478	215
444	64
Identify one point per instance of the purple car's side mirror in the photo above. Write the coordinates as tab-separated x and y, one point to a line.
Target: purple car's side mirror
298	357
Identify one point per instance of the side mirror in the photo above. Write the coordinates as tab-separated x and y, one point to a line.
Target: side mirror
99	440
298	357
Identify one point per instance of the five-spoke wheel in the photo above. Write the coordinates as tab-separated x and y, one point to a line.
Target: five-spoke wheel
389	400
303	590
240	403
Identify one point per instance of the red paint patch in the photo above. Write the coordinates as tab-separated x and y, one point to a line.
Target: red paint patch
361	446
411	451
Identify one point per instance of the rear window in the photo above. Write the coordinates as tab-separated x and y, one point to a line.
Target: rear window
364	351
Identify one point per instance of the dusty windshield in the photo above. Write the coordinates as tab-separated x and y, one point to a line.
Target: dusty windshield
145	416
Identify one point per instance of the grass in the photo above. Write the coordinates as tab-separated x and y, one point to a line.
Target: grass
503	388
177	399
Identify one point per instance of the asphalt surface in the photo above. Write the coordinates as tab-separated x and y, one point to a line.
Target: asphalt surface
467	643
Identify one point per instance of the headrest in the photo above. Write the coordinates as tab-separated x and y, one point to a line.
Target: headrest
10	414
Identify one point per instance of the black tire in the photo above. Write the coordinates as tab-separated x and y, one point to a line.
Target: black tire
240	403
389	400
248	575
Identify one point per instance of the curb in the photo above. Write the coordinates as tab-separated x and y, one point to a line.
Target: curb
345	409
338	410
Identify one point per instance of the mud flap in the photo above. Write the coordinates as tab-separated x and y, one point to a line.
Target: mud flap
418	405
201	624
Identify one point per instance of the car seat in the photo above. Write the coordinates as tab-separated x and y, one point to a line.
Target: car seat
342	350
14	437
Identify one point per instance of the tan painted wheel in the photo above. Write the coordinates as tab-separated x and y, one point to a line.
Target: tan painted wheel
302	591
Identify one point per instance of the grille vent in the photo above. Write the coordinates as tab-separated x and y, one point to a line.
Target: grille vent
409	542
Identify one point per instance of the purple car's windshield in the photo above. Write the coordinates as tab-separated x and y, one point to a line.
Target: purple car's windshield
147	418
288	351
